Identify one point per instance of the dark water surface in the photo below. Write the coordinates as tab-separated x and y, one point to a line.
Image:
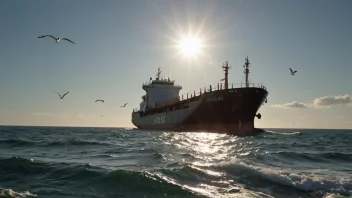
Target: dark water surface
113	162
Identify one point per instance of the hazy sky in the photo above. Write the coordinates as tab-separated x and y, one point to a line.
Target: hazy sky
120	44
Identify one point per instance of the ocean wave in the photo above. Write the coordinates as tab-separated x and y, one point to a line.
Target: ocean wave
75	143
117	163
147	183
298	181
17	142
207	182
21	166
188	156
20	142
86	177
192	172
315	156
16	160
122	182
189	180
9	193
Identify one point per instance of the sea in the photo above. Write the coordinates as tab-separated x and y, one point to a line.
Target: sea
126	162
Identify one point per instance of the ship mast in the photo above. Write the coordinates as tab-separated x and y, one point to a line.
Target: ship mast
226	68
246	70
158	74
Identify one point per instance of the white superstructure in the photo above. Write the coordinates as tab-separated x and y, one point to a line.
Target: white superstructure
159	92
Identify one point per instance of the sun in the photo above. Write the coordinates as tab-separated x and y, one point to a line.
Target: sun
190	46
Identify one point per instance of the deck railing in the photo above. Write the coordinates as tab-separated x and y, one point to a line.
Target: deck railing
210	88
216	87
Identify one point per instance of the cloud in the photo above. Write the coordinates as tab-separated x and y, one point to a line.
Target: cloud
292	105
42	114
322	102
328	101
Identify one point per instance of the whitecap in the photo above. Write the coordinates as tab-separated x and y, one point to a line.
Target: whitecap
14	194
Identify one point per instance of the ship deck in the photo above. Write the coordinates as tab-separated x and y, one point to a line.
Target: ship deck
182	101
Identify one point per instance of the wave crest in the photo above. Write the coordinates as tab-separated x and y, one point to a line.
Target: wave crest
297	181
284	133
10	193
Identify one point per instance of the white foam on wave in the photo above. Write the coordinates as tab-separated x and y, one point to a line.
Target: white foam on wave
227	190
298	181
129	128
11	193
284	133
333	196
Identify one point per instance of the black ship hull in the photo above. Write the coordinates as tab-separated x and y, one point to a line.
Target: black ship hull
231	111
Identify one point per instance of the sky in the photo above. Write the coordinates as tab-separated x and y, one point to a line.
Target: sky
120	44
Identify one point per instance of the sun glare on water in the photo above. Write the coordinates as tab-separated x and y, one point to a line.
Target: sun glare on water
190	46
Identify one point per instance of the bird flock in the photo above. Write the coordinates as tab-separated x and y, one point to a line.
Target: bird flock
57	40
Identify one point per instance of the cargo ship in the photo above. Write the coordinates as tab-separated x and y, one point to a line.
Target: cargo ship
220	108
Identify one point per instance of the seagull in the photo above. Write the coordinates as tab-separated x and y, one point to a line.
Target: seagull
61	96
57	39
124	105
292	72
99	101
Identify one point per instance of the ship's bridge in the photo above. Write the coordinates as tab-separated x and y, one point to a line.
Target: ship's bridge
160	91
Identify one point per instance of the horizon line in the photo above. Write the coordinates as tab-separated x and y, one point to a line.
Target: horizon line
156	130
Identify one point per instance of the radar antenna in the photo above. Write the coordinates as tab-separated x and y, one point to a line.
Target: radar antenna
226	68
246	70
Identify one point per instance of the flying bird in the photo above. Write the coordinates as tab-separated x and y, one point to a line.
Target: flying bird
99	101
61	96
292	72
56	39
124	105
